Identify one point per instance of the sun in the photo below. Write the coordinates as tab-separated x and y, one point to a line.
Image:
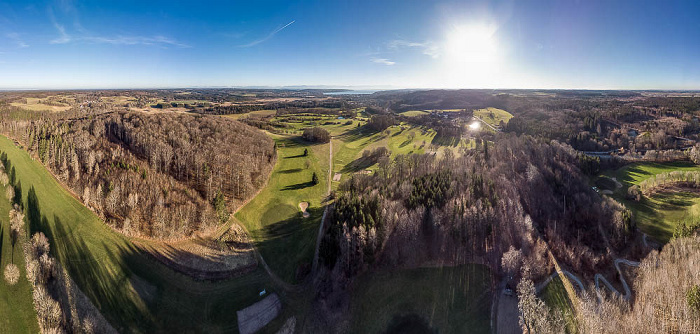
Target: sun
471	55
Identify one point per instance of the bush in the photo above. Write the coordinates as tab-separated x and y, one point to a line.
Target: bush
11	274
693	297
314	179
219	203
316	135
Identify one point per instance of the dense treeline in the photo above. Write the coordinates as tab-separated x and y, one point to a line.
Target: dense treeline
380	122
690	179
316	135
156	175
421	208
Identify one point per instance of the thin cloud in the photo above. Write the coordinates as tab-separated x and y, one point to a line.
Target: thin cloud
63	37
383	61
134	40
85	36
427	48
266	38
16	38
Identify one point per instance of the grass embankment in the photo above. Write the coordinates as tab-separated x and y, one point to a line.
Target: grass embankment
285	239
554	295
658	214
133	291
446	300
17	313
493	116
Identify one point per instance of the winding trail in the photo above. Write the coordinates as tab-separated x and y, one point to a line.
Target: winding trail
625	286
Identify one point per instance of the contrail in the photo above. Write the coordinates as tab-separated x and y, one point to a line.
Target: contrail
270	35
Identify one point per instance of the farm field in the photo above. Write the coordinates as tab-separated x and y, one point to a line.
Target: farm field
656	215
285	239
445	300
554	295
256	113
133	291
414	113
16	307
37	104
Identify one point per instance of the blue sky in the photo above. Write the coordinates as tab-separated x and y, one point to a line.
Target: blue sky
414	44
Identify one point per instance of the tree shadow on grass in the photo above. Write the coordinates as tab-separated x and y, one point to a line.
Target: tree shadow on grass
357	133
288	245
290	171
107	287
445	140
299	186
359	164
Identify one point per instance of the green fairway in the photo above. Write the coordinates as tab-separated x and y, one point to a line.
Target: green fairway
285	239
133	291
445	300
493	116
17	313
554	295
658	214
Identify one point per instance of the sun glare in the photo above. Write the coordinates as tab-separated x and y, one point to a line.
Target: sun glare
471	55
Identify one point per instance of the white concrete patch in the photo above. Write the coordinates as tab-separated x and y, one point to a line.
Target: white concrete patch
254	317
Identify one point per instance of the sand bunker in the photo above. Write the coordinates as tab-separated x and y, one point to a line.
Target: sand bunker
303	206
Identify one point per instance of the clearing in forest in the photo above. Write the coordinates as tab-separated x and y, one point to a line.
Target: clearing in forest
493	116
284	238
658	214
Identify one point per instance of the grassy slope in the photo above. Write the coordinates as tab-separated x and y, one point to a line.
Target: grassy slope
657	215
17	313
283	237
493	116
554	295
104	264
450	299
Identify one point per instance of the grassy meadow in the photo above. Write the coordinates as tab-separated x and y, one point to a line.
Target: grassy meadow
444	300
556	298
658	214
16	307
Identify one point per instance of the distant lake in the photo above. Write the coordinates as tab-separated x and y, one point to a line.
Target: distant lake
352	92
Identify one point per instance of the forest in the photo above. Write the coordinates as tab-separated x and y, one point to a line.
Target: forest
150	175
519	192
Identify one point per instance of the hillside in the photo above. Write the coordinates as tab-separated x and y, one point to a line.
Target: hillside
153	175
